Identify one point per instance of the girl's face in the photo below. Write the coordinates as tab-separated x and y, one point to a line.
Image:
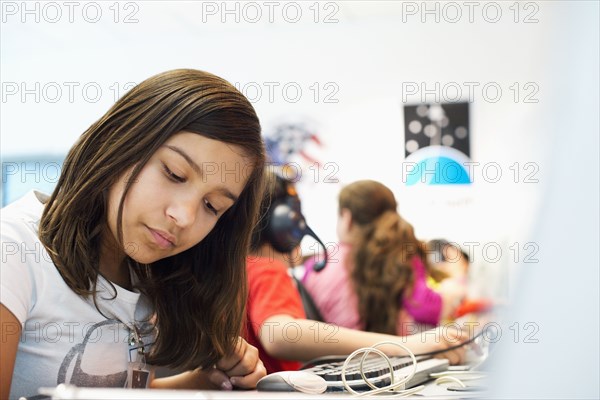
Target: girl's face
178	196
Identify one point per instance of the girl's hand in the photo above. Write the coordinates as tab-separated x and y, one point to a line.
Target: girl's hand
241	369
448	337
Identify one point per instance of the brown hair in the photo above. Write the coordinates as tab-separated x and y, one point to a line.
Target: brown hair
198	295
382	253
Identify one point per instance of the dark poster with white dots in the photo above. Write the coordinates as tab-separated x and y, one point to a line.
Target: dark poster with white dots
437	124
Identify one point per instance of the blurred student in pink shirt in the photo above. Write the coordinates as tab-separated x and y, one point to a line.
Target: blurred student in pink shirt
377	281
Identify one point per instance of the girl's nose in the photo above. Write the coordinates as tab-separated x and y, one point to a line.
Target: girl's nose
183	211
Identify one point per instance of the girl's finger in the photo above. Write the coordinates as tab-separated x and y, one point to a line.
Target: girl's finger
229	361
247	363
220	379
249	381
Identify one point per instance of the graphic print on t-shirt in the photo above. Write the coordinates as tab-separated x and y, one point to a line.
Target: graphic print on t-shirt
77	366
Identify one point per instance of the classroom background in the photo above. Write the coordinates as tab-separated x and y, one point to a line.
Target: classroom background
511	88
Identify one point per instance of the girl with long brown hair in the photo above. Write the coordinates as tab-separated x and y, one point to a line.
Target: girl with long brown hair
381	269
138	256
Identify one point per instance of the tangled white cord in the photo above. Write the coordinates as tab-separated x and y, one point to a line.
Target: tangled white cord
396	387
458	377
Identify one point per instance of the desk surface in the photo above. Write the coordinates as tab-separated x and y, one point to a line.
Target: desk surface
431	390
73	393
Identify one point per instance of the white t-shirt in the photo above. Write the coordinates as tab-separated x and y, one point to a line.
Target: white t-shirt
64	338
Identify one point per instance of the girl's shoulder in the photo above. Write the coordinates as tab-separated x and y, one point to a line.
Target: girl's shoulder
22	250
26	267
21	219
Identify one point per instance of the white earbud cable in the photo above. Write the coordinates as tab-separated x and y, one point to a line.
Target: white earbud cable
396	387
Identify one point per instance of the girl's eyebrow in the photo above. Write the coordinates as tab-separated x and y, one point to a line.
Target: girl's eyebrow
187	158
223	190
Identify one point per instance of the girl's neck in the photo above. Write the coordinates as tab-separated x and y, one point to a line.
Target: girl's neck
117	274
113	263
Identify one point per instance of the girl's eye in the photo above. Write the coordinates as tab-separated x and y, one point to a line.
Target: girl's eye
210	207
172	176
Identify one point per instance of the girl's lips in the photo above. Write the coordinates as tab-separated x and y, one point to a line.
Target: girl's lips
162	239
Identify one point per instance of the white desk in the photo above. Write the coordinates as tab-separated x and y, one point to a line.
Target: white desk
159	394
431	391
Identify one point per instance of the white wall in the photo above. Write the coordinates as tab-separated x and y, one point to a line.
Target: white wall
560	294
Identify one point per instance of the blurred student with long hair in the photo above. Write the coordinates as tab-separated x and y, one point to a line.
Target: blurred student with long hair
377	281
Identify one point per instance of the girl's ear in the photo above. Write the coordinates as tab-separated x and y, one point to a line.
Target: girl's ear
346	217
344	225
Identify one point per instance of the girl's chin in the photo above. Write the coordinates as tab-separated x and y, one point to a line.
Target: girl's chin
145	258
